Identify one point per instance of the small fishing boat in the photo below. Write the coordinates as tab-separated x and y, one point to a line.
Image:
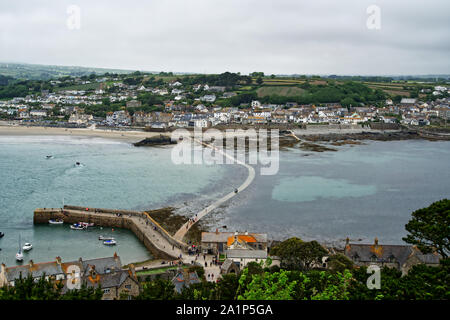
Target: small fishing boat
86	224
77	226
1	234
105	238
27	246
78	164
19	254
110	242
49	157
57	221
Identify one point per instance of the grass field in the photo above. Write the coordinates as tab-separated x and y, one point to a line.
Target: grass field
280	91
155	271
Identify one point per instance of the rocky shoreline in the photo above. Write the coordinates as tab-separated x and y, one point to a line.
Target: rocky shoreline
155	141
377	136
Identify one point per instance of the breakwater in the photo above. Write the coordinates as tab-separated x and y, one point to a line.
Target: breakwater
154	237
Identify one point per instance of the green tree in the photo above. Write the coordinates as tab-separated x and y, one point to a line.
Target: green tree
340	263
227	287
157	290
429	228
266	286
296	254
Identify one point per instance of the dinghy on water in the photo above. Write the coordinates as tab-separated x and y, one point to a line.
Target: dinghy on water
57	221
1	234
77	226
86	224
27	246
19	254
110	242
49	157
105	238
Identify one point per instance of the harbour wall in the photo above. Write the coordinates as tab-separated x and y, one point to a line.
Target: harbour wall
116	219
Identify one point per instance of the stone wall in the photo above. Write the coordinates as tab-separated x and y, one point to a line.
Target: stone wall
110	218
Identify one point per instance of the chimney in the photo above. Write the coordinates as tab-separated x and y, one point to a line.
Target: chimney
217	230
376	241
58	260
133	271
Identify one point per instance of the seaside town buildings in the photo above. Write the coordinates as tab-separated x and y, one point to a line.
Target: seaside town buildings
182	109
106	273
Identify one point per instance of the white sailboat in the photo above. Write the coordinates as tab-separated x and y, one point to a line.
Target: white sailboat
19	254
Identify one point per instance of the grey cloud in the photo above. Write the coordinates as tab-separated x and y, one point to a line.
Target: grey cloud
283	36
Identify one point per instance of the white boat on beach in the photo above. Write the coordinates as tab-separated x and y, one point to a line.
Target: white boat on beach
58	221
27	246
110	242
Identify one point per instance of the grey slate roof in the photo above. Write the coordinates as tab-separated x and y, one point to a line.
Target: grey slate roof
386	253
184	279
37	270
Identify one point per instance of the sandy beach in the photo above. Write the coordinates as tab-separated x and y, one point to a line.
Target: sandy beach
129	136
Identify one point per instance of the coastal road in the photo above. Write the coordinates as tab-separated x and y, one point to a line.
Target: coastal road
179	235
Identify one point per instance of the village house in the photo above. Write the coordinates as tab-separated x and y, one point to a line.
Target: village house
183	279
133	104
401	257
218	242
106	273
38	113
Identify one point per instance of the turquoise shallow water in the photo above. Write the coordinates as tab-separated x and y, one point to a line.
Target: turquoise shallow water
362	191
113	175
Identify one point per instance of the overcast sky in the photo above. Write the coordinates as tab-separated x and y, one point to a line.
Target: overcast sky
213	36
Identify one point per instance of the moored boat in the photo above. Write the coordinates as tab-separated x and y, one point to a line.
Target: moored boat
77	226
1	234
86	224
19	254
105	238
110	242
27	246
57	221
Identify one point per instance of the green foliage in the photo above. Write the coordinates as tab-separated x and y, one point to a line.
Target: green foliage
421	283
42	289
157	290
227	287
340	263
266	286
430	228
296	254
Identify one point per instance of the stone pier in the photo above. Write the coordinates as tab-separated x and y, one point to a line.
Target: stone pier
154	237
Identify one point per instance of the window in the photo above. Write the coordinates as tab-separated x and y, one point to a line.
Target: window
128	286
106	290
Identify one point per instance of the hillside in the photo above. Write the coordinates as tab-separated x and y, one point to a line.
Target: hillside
45	72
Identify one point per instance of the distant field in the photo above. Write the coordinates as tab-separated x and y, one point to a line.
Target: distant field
280	91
